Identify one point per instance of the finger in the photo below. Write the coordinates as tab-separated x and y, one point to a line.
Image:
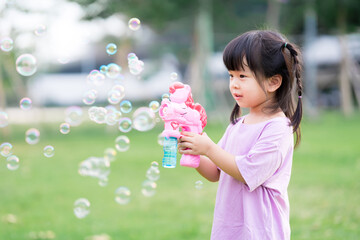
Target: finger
185	139
185	145
186	133
187	151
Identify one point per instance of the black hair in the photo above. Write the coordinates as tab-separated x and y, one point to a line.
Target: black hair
267	53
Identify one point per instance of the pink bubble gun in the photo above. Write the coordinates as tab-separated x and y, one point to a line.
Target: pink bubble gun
180	112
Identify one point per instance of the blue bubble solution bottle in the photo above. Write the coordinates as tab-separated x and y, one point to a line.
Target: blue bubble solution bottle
170	150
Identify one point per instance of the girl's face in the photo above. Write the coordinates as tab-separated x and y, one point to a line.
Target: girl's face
245	89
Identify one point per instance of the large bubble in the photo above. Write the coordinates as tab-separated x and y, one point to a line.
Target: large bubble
122	143
81	207
125	106
4	119
32	136
26	64
12	162
122	195
144	119
113	70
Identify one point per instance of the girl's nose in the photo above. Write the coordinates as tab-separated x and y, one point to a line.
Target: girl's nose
234	84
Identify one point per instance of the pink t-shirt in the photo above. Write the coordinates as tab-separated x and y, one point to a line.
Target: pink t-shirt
259	210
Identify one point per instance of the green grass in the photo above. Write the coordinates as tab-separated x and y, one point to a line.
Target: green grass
324	189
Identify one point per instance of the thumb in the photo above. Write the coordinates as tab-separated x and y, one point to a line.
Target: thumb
204	134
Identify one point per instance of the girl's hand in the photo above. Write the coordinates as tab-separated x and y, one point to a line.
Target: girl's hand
194	144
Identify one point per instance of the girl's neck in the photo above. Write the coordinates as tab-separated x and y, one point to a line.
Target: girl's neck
261	116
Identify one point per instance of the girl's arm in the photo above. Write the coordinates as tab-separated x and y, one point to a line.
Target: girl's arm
208	169
195	144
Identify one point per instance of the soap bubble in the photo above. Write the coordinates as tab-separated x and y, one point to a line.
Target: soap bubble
199	184
3	119
122	143
110	154
173	76
154	164
103	69
6	44
122	195
98	114
64	128
96	167
125	124
161	139
49	151
73	115
89	97
126	106
103	182
111	118
165	96
154	106
95	77
26	64
113	70
114	96
119	88
143	119
6	149
132	56
25	103
111	48
148	188
134	24
153	173
81	208
12	162
40	30
32	136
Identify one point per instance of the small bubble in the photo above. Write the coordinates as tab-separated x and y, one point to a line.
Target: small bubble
111	48
12	162
134	24
154	106
3	119
64	128
49	151
6	44
32	136
125	106
40	30
148	188
125	124
199	185
122	195
25	103
26	65
6	149
122	143
173	76
81	208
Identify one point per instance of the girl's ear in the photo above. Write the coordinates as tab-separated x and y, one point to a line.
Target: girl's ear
274	83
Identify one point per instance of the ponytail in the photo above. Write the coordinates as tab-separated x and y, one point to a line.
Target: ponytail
297	115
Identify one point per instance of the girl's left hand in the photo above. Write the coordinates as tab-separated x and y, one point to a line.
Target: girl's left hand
194	144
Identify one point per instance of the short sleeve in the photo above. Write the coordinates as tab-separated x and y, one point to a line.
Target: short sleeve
265	157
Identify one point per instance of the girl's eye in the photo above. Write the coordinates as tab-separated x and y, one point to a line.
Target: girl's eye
230	75
242	76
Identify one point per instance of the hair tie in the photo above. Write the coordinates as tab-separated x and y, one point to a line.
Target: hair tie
285	44
300	96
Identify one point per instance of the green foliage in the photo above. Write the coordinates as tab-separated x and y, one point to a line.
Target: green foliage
323	189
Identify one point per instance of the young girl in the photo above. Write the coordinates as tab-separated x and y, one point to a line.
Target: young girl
253	159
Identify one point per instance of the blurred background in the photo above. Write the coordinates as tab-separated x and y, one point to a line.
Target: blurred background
101	69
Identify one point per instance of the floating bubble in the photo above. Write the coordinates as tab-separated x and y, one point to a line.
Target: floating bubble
153	173
95	167
3	119
161	139
122	195
111	118
134	24
96	77
125	106
12	162
110	154
143	119
132	56
173	76
125	124
6	149
81	208
154	106
64	128
113	70
154	164
40	30
98	114
26	65
103	182
32	136
6	44
111	48
89	97
73	115
103	69
119	88
25	103
199	184
114	96
136	66
49	151
165	96
122	143
148	188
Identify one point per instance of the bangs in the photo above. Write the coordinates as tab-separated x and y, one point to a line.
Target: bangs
244	51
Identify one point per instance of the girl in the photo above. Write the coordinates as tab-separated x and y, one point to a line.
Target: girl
253	159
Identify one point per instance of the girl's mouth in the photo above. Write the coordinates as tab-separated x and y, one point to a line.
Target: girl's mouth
237	96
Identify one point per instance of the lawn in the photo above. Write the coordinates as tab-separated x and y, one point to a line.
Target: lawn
37	199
